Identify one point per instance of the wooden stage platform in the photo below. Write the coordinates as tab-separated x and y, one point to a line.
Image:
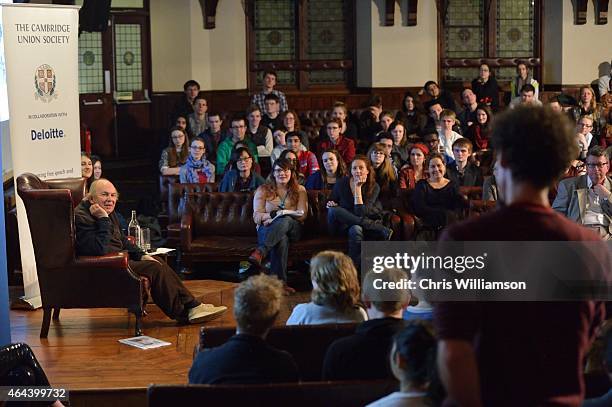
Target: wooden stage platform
82	352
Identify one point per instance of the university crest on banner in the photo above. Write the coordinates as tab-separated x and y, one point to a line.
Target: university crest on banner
44	83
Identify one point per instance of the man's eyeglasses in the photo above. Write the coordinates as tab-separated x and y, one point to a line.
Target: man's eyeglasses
592	166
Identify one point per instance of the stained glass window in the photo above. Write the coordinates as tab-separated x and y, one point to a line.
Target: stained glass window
277	36
91	73
128	57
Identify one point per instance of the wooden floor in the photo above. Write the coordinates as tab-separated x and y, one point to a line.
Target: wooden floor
82	351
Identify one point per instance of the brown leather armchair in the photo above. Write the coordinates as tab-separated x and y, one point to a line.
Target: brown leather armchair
68	281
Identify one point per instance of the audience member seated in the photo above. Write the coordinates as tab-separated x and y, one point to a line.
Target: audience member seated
334	168
335	292
259	134
290	156
479	131
86	168
386	118
386	139
275	229
447	135
401	147
415	171
555	104
433	116
184	107
523	77
411	115
467	116
587	105
527	97
280	139
198	120
182	122
463	172
197	169
246	358
348	129
385	173
365	355
307	163
370	127
269	82
486	88
354	209
271	117
213	136
291	122
97	167
335	140
98	233
413	356
241	177
238	134
176	154
606	134
586	199
436	200
437	95
586	139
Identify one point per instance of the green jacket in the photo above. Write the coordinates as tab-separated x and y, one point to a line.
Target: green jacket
224	152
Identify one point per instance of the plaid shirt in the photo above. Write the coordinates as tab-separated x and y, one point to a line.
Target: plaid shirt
258	99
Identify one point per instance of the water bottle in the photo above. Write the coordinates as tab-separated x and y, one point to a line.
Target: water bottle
134	229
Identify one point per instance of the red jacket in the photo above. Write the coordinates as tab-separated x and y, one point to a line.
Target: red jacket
345	146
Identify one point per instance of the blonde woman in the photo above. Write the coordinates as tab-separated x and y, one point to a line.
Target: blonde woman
587	106
335	292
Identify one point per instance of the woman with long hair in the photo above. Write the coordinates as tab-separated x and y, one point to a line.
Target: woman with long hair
384	171
97	167
241	177
275	228
479	132
486	88
354	208
86	168
587	106
291	122
400	151
415	171
197	169
436	200
176	154
332	168
411	114
523	77
335	292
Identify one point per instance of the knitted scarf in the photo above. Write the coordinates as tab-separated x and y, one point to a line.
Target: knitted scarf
193	166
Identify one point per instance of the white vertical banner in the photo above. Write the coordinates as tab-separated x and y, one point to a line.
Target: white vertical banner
41	54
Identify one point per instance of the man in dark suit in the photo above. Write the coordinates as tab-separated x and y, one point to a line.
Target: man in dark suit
519	353
246	358
463	171
365	355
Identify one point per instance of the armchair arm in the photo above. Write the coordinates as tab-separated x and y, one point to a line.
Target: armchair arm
108	261
186	232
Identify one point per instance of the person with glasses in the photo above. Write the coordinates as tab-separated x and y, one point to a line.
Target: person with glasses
176	154
385	173
197	169
586	199
275	228
344	145
238	129
584	135
241	177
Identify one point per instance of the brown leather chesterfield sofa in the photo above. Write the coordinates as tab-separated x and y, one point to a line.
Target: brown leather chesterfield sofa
217	226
